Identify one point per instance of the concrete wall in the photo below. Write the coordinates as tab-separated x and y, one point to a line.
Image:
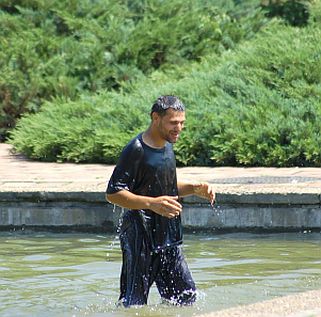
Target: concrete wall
248	212
89	211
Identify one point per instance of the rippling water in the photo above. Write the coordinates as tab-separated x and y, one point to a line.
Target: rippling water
78	274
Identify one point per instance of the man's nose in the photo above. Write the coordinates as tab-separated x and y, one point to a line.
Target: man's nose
179	127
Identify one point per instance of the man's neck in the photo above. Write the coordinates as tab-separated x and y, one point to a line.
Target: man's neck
152	139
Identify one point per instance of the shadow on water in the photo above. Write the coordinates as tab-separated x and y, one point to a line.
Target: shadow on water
78	274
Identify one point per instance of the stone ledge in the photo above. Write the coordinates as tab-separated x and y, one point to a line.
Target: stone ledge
305	304
41	196
221	198
260	199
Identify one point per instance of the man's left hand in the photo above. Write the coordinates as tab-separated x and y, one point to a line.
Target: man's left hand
205	190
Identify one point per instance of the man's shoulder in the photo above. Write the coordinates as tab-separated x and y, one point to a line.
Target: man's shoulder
134	147
135	143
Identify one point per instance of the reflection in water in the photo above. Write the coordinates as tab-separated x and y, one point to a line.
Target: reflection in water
78	274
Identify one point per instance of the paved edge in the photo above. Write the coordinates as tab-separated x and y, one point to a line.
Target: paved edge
306	304
221	198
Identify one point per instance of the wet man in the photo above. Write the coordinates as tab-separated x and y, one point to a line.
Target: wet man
144	182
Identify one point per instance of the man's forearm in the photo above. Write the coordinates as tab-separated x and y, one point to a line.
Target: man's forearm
128	200
186	189
166	206
202	189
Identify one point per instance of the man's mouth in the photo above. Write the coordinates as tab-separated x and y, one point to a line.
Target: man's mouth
175	135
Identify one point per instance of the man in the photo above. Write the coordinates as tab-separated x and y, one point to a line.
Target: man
144	182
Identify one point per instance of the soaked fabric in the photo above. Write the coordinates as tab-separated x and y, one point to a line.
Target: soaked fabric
150	172
150	242
142	267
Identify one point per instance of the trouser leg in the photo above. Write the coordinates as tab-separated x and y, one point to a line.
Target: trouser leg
135	275
174	280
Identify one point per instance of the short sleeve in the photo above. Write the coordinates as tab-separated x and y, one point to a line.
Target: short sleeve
124	176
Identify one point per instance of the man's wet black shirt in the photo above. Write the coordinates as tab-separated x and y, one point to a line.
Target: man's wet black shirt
148	171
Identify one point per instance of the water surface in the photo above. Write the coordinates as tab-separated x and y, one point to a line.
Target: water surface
45	274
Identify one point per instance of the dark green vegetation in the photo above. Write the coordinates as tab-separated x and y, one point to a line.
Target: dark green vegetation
65	48
251	85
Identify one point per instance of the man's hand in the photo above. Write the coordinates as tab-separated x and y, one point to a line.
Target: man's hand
205	190
166	206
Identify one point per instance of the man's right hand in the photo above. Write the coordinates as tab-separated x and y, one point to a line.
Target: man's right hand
166	206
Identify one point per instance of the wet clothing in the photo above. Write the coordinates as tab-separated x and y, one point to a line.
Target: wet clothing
150	242
142	267
149	172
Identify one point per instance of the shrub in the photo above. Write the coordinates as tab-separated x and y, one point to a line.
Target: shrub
70	47
256	106
295	12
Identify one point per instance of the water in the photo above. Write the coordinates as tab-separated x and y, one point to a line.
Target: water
78	274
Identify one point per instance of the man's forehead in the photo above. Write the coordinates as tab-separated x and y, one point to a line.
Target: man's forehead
174	113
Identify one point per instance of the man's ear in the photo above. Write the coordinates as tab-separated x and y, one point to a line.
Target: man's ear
155	116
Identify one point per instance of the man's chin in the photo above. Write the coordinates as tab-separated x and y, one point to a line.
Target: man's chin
173	139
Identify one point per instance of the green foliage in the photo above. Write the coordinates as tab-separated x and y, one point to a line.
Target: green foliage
86	130
61	48
295	12
275	85
256	106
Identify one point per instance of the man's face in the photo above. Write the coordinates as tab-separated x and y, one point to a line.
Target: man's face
170	125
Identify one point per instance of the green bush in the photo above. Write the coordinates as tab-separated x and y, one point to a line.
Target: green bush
256	106
274	84
294	12
86	130
63	48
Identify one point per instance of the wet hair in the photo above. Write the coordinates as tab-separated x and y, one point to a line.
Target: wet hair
165	102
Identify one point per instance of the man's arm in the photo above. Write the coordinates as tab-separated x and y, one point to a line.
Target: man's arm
203	189
166	206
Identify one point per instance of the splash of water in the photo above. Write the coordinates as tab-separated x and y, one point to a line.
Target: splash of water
217	210
111	247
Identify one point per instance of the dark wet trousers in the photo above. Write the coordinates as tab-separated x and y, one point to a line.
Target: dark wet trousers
142	267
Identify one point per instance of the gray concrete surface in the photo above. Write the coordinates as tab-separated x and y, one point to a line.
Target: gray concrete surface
20	175
55	194
36	193
307	304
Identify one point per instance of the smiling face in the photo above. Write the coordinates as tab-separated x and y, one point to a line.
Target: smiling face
169	125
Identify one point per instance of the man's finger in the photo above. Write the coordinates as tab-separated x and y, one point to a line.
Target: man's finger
173	201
